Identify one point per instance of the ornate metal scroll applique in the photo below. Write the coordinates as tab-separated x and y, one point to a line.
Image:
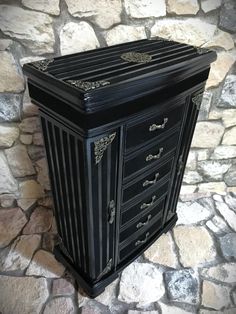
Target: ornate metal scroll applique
88	85
42	65
101	145
201	51
197	100
136	57
105	270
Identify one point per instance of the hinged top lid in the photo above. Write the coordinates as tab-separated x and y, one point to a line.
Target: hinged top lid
97	79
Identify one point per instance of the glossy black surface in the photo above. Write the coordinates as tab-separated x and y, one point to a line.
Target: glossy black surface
116	146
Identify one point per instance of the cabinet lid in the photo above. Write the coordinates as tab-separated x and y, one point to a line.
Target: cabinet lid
99	79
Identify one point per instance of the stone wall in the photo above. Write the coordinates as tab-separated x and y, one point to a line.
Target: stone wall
32	30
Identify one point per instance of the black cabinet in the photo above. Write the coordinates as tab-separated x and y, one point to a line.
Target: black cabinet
117	125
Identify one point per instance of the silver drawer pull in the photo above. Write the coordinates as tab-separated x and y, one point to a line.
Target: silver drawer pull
157	156
142	241
145	205
141	224
147	182
155	127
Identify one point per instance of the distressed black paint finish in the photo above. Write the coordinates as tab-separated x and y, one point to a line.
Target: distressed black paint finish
117	124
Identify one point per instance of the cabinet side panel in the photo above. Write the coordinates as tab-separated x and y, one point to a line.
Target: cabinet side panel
102	165
65	163
187	135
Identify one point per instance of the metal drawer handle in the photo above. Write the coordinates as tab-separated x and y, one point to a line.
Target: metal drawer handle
157	156
142	241
155	127
145	205
141	224
147	182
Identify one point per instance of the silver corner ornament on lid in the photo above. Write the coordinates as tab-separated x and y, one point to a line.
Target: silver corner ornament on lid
42	65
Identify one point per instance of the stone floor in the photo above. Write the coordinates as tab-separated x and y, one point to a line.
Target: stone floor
191	269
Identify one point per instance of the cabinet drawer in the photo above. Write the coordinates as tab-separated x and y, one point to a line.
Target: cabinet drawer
152	155
140	241
152	127
147	203
142	222
149	181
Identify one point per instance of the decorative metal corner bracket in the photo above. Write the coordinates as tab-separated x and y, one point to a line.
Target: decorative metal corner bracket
42	65
201	51
197	100
136	57
105	270
88	85
101	145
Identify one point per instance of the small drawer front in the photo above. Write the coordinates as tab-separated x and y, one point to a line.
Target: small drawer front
149	181
152	155
143	222
144	205
140	241
148	129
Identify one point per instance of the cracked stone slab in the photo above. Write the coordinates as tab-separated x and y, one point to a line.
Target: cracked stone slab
10	107
11	81
13	292
44	264
109	294
43	177
50	7
33	29
8	135
8	184
30	189
124	33
19	255
215	131
227	16
182	286
231	201
77	37
62	286
228	214
162	252
228	245
11	223
145	8
189	240
134	282
61	305
40	221
182	7
93	307
103	13
30	125
224	272
191	213
215	296
228	94
22	165
217	224
169	309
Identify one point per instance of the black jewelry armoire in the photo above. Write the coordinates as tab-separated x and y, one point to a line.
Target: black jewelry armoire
117	124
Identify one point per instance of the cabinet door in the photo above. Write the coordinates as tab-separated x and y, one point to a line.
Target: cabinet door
193	103
101	182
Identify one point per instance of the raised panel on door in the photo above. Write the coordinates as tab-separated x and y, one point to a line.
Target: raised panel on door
101	177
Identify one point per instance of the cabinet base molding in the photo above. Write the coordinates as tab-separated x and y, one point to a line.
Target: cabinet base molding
93	289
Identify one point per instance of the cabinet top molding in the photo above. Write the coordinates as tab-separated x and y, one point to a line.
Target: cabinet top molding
96	80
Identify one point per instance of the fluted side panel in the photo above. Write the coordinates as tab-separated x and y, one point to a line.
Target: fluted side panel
65	161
